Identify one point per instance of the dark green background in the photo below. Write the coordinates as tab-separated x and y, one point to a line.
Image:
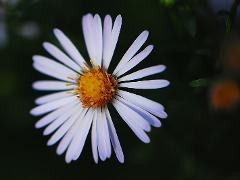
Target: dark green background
195	142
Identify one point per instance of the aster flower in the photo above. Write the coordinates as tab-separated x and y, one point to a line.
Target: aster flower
86	91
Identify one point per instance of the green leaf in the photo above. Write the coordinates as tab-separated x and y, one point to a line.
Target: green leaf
199	82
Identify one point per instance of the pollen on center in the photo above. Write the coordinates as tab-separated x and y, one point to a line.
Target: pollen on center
96	87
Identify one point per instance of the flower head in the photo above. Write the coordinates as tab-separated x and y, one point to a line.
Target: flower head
87	90
96	88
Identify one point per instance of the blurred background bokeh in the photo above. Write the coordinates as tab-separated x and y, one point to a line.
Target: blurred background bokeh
198	40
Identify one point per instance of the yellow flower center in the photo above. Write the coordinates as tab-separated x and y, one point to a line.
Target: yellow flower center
96	87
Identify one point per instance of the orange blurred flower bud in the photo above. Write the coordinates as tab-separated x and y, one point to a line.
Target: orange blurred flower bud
225	95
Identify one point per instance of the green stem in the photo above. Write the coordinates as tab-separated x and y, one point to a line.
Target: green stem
233	14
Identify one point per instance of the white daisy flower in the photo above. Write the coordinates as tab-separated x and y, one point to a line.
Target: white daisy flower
87	90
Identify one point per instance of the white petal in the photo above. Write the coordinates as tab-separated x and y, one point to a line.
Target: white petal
143	73
94	139
56	67
64	143
104	146
45	108
133	116
50	72
101	145
135	60
127	118
116	31
53	115
76	146
110	38
88	33
136	45
52	85
79	150
60	120
98	36
64	127
148	84
69	47
107	40
59	55
54	96
154	121
114	138
146	104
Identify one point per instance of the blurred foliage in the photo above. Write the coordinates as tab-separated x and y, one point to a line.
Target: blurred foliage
190	37
167	3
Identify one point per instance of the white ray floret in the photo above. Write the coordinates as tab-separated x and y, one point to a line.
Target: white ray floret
66	140
148	84
143	73
51	72
48	107
97	28
51	85
69	117
78	141
104	146
69	47
59	55
79	104
51	97
133	49
135	126
88	33
135	60
147	104
54	66
114	138
94	139
110	38
64	127
146	115
54	115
